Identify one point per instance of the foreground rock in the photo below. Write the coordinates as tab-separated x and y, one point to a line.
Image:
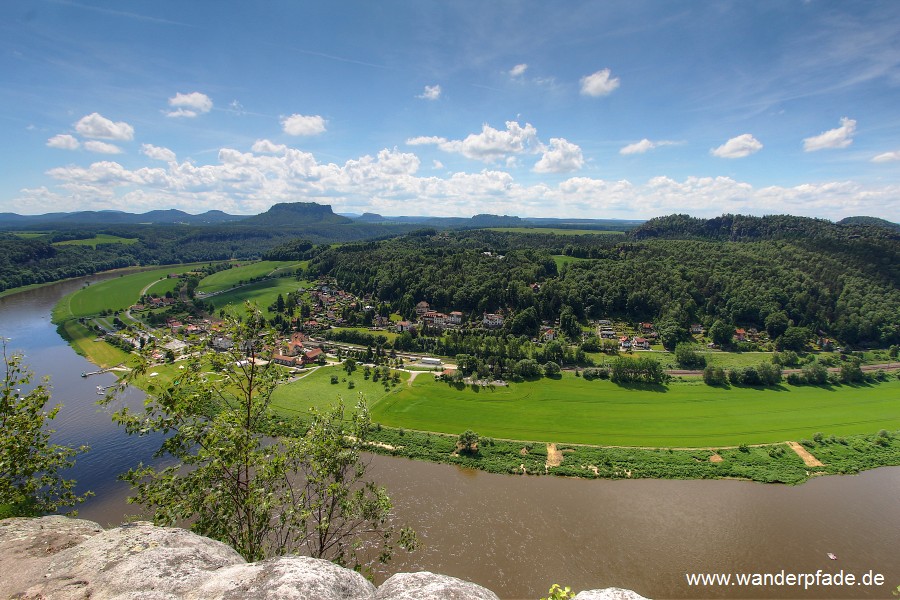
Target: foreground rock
72	559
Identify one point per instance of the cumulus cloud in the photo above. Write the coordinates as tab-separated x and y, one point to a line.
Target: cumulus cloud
63	141
432	92
96	125
599	83
303	124
189	105
102	147
645	145
562	157
738	147
268	147
491	145
518	70
840	137
157	153
885	157
436	164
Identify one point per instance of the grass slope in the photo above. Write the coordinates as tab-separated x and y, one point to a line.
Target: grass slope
100	238
262	293
224	280
686	414
316	390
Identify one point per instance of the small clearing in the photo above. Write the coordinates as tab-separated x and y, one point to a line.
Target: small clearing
554	456
808	459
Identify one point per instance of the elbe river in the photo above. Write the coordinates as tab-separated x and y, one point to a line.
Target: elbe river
518	534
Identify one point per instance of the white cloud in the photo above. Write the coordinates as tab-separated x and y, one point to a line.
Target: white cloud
840	137
738	147
63	141
562	157
491	145
189	105
645	145
303	124
432	92
599	83
436	164
96	125
157	153
518	70
268	147
102	147
887	157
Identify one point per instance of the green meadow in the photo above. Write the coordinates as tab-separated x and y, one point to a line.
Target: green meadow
229	278
316	390
684	414
555	230
100	238
113	294
262	293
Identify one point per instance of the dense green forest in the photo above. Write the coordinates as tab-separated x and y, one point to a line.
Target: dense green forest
837	280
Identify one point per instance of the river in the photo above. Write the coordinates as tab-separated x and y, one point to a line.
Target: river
516	535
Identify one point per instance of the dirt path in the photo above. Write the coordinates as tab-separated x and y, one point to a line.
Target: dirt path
554	456
808	459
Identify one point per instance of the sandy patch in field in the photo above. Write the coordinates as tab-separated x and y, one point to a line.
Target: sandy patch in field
554	456
523	451
808	459
715	458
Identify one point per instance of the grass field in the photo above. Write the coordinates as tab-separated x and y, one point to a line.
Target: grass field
726	360
262	293
562	259
390	334
100	238
83	341
316	390
114	294
686	414
31	234
555	230
224	280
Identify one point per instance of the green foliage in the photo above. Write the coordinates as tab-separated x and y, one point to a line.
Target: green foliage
468	442
793	338
636	370
559	593
306	493
714	376
687	357
721	333
31	482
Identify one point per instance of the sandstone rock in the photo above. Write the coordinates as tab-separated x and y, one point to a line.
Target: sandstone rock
286	578
28	545
428	586
133	561
612	593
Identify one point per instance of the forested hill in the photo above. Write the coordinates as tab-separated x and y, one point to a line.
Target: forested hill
847	287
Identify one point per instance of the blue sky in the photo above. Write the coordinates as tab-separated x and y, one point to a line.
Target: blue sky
579	109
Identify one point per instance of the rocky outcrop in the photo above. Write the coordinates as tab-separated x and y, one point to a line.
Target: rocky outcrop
72	559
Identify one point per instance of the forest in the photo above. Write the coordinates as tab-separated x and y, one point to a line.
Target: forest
836	280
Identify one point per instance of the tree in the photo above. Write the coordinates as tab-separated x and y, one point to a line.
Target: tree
720	333
793	338
30	466
687	357
468	442
301	494
776	324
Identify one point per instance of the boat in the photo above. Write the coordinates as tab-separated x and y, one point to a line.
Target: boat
831	555
83	374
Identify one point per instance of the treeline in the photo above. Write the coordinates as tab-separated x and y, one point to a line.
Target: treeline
841	281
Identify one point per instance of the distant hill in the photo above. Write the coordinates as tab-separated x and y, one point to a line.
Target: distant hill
115	217
370	218
870	221
296	214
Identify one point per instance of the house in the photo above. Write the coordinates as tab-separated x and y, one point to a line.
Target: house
696	328
455	318
285	361
434	318
422	308
403	326
647	327
740	335
492	320
549	335
311	356
640	343
625	342
605	322
431	361
221	344
607	334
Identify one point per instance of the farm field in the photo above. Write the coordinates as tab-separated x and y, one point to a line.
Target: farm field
685	414
555	230
262	293
316	390
114	294
100	238
227	279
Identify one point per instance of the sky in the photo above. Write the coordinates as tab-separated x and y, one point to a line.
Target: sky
610	109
